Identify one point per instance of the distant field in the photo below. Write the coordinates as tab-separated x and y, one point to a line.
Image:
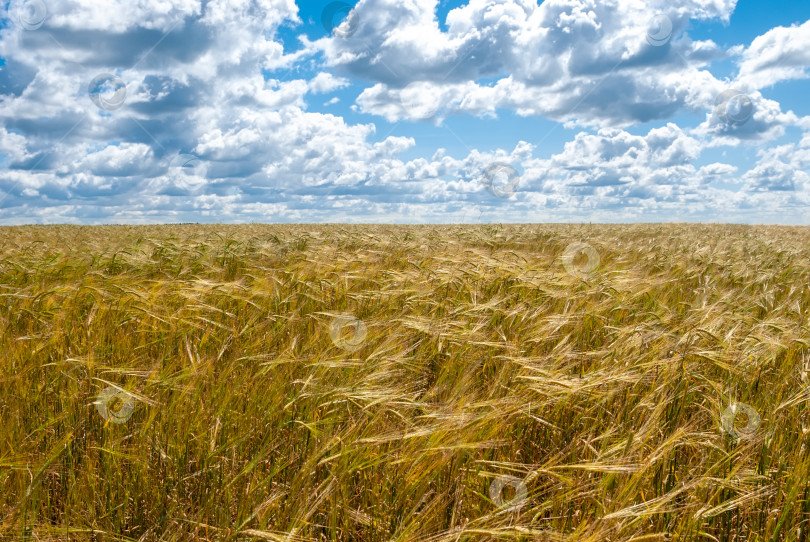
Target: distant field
379	383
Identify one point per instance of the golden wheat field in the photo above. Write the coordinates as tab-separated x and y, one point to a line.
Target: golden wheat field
405	383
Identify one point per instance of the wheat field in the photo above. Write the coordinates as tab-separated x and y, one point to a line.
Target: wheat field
402	383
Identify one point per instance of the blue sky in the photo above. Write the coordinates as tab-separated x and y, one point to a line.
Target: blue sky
404	111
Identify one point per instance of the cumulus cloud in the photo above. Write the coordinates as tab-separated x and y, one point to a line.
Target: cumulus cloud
778	55
196	110
780	168
209	99
584	61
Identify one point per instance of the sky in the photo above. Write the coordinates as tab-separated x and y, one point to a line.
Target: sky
404	111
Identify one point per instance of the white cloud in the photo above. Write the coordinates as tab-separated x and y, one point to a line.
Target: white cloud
780	168
203	90
124	160
570	60
115	16
326	82
778	55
